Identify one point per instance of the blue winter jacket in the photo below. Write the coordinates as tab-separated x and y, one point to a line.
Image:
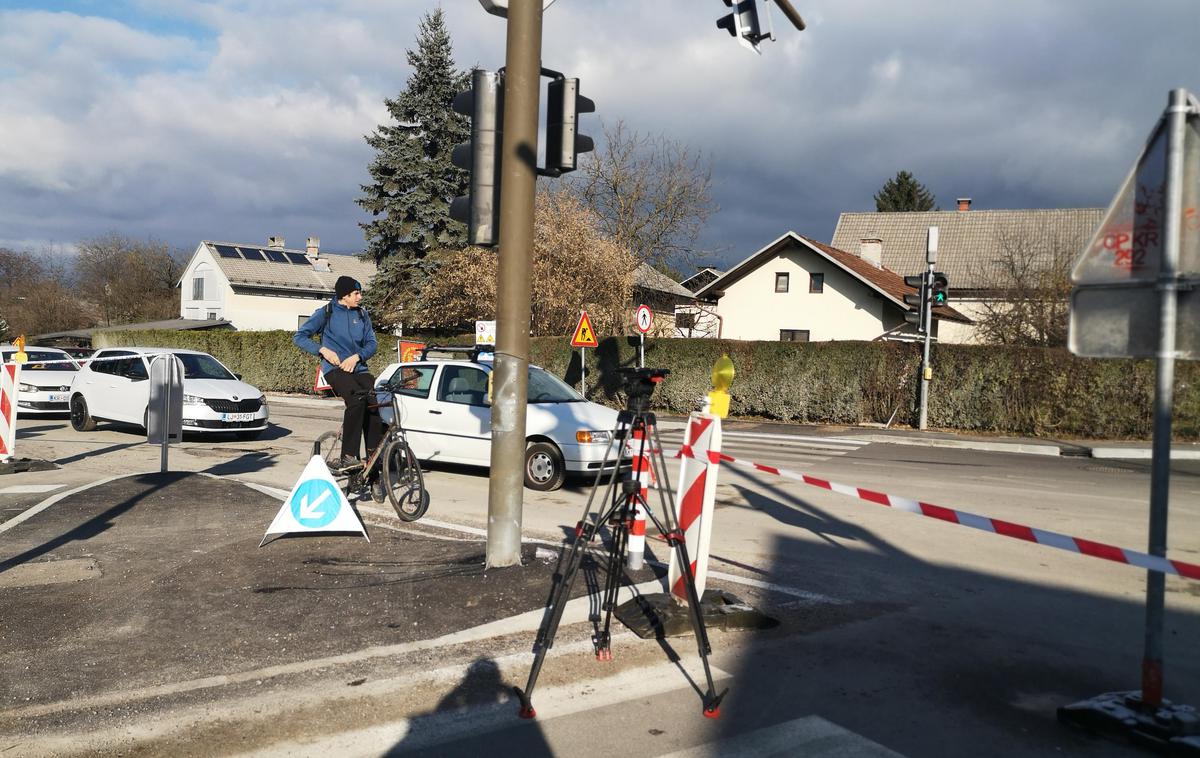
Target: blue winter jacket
349	331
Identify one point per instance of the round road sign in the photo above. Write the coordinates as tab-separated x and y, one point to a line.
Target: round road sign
645	318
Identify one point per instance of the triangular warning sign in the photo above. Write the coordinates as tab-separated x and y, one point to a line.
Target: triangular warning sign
316	504
585	335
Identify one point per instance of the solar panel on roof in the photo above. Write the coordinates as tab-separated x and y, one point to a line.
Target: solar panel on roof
225	251
252	254
276	256
297	258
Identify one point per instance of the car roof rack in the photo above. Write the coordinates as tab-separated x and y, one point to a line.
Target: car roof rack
472	352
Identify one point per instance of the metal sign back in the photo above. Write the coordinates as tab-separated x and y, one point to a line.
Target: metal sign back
164	415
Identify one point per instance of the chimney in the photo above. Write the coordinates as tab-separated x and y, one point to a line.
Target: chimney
275	241
870	249
964	204
312	247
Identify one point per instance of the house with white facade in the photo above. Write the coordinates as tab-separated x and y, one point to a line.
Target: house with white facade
262	287
982	252
796	289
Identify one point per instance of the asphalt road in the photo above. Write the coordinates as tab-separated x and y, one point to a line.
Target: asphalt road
922	637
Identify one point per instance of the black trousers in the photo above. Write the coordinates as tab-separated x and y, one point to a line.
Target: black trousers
358	420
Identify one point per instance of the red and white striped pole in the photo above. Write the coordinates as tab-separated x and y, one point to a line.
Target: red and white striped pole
695	501
636	549
10	378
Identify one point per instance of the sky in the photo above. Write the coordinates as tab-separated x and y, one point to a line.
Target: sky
237	120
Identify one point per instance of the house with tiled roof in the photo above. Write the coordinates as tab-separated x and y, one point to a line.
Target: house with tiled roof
703	276
796	289
261	287
977	249
662	294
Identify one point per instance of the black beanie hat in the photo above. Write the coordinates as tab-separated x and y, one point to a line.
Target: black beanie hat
344	286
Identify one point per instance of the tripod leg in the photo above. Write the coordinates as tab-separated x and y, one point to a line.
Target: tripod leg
612	584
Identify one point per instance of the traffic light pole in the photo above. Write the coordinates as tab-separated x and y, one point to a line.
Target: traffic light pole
926	369
510	387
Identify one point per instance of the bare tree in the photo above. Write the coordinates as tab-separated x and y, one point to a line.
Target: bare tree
1030	290
36	297
698	319
652	195
129	280
573	266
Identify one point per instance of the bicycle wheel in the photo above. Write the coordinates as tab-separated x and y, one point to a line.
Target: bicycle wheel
329	447
403	481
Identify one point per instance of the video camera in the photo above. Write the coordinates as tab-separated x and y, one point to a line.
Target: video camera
639	384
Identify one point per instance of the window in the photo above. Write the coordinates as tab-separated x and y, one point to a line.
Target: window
212	315
463	384
413	381
816	283
301	319
685	320
793	335
781	282
134	368
104	363
198	288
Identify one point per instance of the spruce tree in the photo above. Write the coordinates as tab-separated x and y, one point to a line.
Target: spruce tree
904	193
412	178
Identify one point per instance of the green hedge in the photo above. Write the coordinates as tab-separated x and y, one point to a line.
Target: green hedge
1025	391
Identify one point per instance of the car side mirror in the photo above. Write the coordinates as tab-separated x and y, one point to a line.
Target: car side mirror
238	377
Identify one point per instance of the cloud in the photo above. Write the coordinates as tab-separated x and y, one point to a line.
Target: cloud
239	119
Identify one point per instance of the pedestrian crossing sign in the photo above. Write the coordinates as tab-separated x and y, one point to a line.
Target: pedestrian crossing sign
585	335
316	504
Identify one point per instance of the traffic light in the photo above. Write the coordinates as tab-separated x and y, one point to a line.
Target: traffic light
743	23
563	140
939	289
480	208
918	299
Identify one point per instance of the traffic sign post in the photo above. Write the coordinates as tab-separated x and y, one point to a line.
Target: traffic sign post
1137	273
164	412
644	321
585	337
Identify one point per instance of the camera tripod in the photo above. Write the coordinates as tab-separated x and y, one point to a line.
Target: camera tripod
622	495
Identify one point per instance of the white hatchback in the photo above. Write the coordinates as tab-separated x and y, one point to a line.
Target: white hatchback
447	416
45	383
115	386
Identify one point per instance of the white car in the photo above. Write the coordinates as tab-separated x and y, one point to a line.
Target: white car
447	415
45	383
115	386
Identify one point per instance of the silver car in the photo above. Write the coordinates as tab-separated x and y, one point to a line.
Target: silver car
45	383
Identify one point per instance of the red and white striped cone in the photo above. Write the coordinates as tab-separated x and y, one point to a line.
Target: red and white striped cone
10	379
635	555
695	501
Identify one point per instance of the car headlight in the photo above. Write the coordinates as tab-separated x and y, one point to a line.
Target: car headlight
586	435
27	387
193	400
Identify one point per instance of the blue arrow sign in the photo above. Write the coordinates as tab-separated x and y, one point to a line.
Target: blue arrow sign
315	503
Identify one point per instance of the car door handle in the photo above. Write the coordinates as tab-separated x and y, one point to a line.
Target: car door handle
436	413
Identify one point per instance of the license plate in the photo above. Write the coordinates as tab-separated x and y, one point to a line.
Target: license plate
237	416
59	398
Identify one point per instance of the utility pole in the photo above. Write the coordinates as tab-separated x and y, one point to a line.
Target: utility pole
522	69
931	245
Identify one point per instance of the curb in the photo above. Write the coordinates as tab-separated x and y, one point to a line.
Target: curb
996	447
310	402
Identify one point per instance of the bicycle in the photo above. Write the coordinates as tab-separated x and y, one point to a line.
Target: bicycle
398	467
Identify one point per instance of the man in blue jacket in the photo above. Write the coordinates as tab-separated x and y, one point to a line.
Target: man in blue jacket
347	342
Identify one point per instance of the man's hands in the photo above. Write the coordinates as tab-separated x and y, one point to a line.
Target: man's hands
345	365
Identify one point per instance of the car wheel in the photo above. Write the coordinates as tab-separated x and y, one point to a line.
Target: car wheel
544	467
246	435
81	420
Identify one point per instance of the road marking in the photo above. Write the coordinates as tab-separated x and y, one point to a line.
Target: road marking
551	702
29	513
808	736
29	489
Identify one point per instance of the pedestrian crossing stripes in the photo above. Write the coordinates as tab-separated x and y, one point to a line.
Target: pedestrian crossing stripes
773	448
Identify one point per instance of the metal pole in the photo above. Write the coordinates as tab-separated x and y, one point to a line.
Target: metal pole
927	304
583	371
642	350
519	165
1152	667
165	409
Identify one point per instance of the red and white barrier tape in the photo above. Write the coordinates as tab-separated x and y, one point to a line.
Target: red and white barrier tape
962	518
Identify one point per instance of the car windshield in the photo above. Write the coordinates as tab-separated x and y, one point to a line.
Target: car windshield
38	361
201	366
545	387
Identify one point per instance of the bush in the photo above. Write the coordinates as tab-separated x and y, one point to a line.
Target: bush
1027	391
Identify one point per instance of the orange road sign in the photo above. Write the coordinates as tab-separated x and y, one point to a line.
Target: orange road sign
585	335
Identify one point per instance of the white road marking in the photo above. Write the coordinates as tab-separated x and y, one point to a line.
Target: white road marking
29	489
31	512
